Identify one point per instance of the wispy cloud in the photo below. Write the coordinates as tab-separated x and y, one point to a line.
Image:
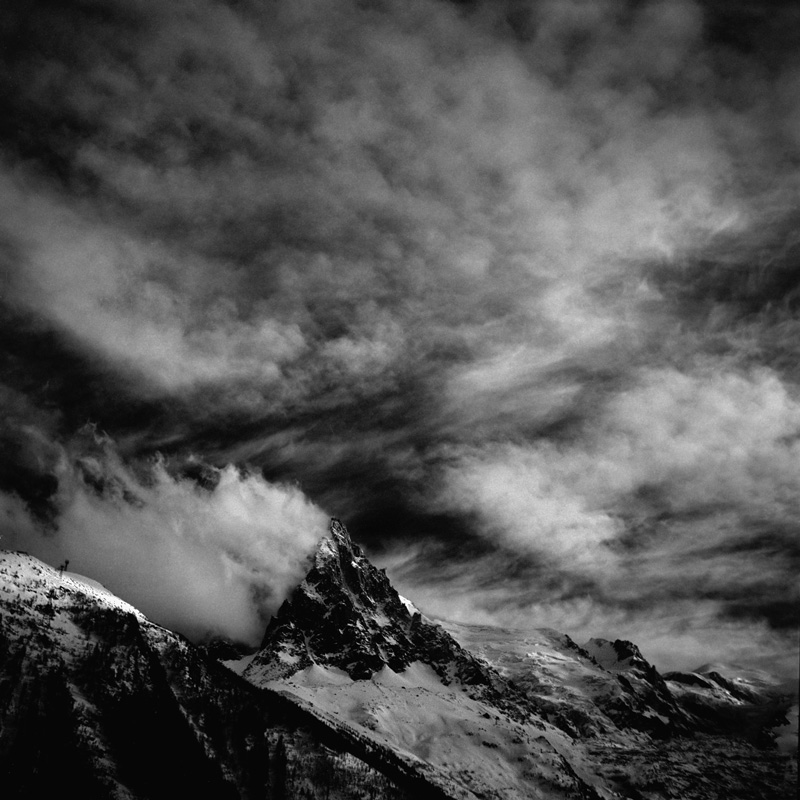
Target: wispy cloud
526	266
410	163
663	494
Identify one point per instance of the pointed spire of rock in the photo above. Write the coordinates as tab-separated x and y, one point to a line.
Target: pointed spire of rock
346	614
339	532
337	546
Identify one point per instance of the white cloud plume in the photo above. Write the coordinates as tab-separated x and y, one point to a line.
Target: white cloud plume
203	561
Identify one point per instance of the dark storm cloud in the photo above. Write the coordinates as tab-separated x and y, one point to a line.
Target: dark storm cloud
515	274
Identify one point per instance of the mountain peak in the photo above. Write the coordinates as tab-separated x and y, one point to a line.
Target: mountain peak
346	615
339	532
337	548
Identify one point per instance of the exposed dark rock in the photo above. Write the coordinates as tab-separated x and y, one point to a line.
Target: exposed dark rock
346	614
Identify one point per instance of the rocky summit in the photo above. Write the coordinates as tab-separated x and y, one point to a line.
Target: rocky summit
346	614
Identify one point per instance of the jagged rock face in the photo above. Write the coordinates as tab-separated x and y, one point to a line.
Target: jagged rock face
618	655
348	646
346	614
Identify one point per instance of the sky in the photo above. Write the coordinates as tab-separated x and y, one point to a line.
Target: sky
512	288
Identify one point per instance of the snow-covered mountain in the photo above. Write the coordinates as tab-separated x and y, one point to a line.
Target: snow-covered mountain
355	693
98	702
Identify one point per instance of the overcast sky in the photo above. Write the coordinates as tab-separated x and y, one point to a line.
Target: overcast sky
512	288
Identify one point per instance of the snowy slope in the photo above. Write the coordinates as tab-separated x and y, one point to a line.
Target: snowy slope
465	746
571	686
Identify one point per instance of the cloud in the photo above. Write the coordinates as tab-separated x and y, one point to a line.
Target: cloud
682	490
521	502
526	267
410	160
135	304
203	561
703	439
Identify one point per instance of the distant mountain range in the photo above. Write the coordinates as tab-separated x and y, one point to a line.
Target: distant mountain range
355	693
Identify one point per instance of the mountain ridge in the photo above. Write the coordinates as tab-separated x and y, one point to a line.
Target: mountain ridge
354	693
